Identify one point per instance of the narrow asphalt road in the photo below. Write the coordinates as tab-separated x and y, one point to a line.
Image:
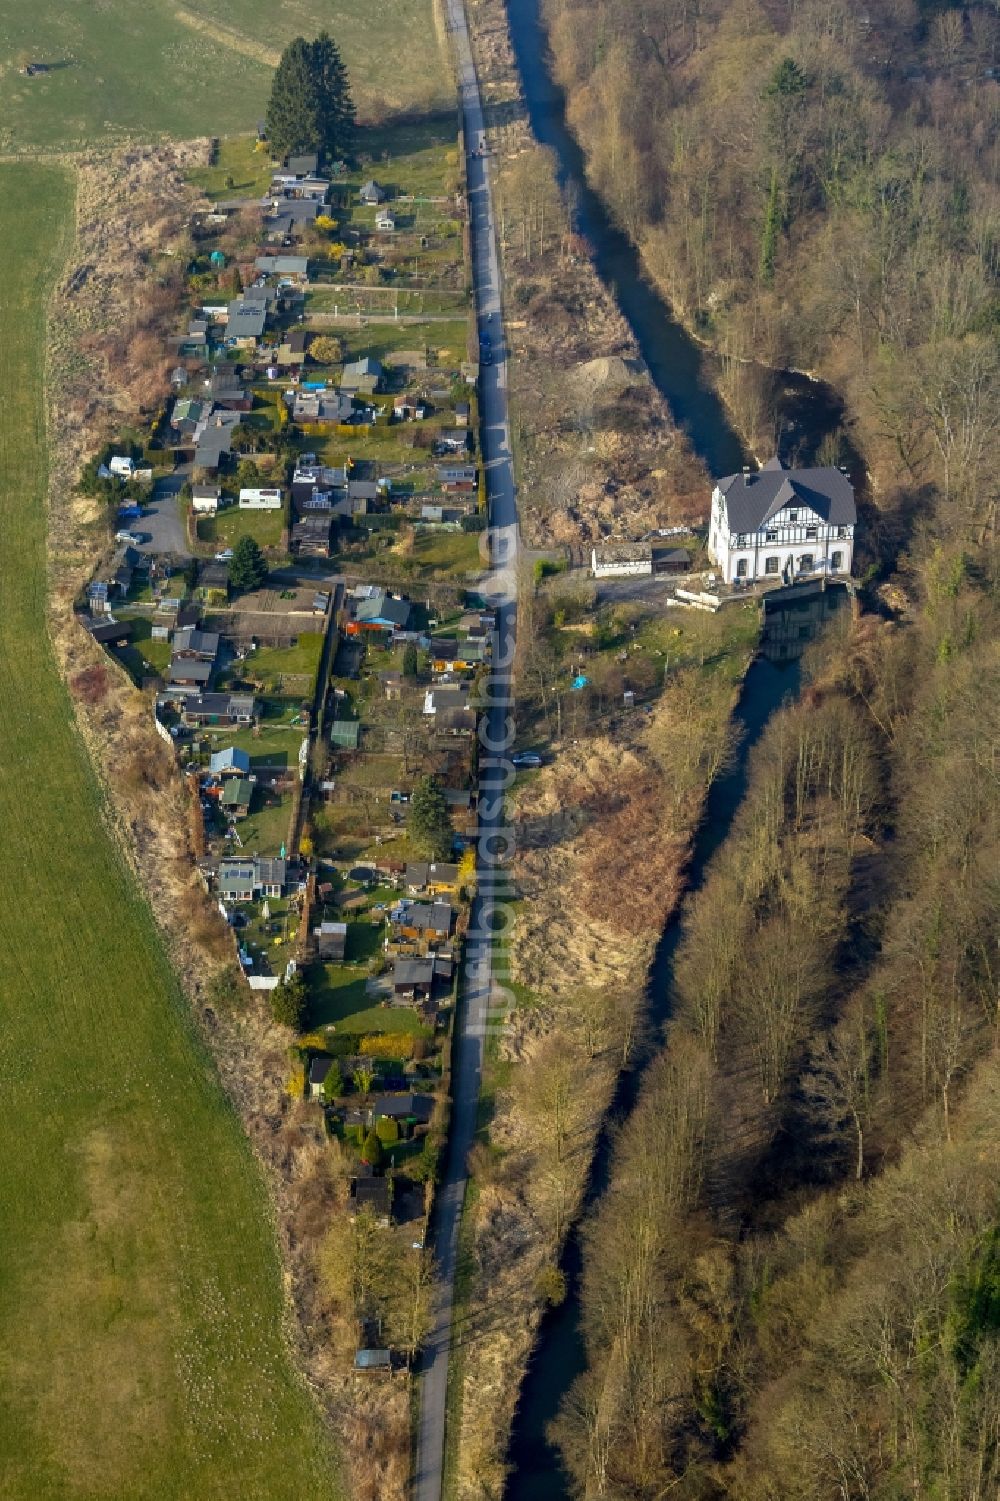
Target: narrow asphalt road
495	733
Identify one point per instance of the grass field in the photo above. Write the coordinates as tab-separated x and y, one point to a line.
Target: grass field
140	1288
203	68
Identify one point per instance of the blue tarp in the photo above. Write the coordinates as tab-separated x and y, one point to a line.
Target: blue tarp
578	683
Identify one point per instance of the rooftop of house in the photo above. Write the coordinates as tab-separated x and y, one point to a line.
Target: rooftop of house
431	872
306	164
230	759
318	1070
236	793
282	265
230	705
457	474
246	320
374	1194
430	917
199	643
189	670
383	606
365	366
752	499
271	872
398	1107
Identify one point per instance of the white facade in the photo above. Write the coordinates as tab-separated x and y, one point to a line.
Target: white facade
205	498
260	500
620	562
777	526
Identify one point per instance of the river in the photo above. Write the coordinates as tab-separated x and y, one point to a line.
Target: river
808	410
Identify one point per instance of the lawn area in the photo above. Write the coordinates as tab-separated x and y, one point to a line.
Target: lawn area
436	553
155	67
226	529
275	744
239	171
301	660
448	339
338	997
265	829
141	1303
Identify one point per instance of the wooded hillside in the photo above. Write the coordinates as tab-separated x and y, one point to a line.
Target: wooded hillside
814	185
793	1287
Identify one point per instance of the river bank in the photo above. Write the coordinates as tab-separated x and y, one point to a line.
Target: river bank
520	1208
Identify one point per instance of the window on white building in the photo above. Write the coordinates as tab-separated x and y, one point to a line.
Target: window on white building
811	534
771	536
793	515
836	561
770	565
806	563
741	568
843	531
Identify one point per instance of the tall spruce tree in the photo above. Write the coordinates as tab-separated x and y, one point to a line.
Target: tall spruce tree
310	108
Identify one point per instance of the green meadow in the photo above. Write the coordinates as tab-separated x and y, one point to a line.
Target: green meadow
141	1311
155	67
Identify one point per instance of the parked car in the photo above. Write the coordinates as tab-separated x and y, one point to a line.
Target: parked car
133	538
224	556
526	758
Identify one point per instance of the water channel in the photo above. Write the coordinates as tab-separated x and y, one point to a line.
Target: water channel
808	411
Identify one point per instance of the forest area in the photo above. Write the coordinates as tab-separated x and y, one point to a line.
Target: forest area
813	185
792	1288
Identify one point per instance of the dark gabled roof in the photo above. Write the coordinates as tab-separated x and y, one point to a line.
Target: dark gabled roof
432	917
413	972
246	320
236	704
372	1193
190	670
419	872
318	1069
752	499
203	643
403	1106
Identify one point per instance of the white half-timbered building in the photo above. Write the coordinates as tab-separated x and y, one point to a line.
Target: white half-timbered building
782	524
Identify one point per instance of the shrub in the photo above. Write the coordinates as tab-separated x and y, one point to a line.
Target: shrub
371	1152
288	1002
550	1285
394	1045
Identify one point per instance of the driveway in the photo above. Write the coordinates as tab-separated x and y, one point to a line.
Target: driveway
162	525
